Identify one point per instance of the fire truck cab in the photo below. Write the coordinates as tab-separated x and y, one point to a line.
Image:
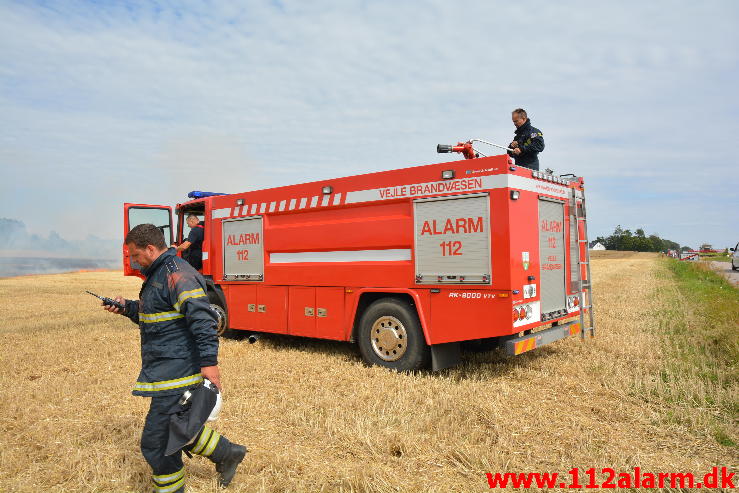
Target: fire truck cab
407	263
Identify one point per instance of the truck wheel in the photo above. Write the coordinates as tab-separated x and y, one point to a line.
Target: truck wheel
222	325
221	315
390	335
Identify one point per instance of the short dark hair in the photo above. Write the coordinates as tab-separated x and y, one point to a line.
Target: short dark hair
193	215
521	111
144	235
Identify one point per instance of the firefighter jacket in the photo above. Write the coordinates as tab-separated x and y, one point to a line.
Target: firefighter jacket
531	142
177	326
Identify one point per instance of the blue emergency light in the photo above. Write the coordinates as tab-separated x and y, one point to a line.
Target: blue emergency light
196	194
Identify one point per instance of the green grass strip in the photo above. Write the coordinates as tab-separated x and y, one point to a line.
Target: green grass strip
703	347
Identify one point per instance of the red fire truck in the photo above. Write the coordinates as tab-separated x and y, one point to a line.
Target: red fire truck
407	263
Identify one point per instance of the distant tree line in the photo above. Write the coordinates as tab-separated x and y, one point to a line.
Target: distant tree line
638	241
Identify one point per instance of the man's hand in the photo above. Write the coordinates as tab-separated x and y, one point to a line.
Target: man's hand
213	374
183	246
516	151
513	144
113	309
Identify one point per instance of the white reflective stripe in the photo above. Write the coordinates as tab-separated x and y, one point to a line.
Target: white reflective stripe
282	205
538	186
168	478
150	318
325	200
337	199
169	384
205	255
303	202
475	184
292	204
313	201
204	436
186	295
389	255
272	206
214	438
168	489
221	213
253	209
262	206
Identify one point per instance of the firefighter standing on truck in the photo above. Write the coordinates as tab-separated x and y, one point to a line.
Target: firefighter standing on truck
179	348
528	141
192	248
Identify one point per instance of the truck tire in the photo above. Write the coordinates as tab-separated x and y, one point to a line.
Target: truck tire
222	326
221	314
390	335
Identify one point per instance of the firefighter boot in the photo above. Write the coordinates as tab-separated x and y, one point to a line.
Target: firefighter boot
226	468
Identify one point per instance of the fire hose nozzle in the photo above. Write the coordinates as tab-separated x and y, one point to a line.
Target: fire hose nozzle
442	148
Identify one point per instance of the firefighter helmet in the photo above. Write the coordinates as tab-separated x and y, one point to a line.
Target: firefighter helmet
219	400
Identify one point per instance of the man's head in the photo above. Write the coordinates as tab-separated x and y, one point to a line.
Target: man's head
192	220
519	117
145	244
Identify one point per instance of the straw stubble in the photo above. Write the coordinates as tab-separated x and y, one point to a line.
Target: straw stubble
316	419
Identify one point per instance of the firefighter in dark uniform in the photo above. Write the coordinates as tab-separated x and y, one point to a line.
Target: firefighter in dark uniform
192	248
528	141
179	348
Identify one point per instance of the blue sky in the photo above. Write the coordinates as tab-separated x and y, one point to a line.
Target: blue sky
106	102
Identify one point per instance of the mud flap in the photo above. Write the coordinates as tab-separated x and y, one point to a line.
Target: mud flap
445	355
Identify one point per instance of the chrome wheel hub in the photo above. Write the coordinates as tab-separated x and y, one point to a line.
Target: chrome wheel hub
222	318
389	338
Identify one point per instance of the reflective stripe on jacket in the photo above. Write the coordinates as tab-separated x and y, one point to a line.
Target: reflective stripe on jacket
177	327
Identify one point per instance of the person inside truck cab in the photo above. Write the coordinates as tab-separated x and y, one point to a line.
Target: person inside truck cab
528	141
192	248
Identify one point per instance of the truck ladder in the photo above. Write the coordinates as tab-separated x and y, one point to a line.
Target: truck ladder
585	293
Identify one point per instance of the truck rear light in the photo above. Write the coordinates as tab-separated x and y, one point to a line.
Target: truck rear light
576	302
515	315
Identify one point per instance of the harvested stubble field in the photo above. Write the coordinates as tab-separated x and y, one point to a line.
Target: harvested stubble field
316	419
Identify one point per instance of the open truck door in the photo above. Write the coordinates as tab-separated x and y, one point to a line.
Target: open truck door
135	214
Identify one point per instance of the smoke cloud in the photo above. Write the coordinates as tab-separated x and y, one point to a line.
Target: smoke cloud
24	253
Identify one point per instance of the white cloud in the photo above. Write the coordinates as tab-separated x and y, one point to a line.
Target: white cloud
105	104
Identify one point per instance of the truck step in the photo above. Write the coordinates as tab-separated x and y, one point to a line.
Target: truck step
528	342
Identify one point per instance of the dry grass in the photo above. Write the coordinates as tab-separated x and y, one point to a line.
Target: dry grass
616	254
316	419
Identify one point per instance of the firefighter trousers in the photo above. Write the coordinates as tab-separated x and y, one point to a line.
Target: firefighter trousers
168	471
